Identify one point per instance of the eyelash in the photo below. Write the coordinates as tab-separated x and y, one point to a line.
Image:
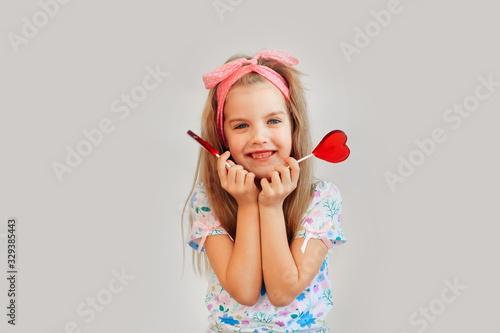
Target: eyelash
277	121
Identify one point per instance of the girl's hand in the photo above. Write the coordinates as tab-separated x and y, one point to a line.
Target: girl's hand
237	181
283	182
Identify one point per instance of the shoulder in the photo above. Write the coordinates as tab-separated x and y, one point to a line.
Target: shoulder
199	188
324	190
199	197
200	208
323	215
326	199
321	184
204	221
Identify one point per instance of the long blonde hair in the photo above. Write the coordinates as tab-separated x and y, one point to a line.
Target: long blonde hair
223	204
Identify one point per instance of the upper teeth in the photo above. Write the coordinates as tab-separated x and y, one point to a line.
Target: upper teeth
262	155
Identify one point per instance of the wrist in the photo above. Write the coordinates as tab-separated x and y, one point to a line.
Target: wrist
247	205
270	203
247	198
276	207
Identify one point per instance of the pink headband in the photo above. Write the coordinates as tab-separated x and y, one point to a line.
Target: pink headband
229	73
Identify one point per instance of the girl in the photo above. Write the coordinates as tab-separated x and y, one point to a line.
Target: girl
264	224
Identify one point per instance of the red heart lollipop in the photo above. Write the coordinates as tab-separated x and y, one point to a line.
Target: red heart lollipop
332	148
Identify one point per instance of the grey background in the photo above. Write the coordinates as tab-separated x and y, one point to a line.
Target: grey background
119	209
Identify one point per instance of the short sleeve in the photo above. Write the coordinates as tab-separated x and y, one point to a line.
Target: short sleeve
205	223
322	217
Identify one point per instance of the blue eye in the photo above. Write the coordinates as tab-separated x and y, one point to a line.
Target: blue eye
274	121
240	126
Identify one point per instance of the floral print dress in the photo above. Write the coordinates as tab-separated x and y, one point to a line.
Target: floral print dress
308	311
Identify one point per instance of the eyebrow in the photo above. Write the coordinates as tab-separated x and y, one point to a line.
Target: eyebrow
272	114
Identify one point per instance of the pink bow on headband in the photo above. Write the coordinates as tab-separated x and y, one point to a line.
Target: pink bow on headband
231	72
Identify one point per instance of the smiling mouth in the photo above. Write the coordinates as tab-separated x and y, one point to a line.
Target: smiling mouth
261	155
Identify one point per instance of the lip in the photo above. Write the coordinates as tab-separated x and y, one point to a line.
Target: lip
273	153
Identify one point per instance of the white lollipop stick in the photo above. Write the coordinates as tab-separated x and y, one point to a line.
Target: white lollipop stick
303	158
227	164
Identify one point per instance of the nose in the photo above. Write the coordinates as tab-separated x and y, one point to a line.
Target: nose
259	135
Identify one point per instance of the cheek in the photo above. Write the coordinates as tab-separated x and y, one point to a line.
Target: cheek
231	143
286	139
288	148
236	148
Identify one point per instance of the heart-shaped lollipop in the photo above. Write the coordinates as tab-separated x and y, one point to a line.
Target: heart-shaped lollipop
332	148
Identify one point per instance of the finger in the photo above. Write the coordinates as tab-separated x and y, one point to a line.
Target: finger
240	176
223	158
227	162
284	174
264	183
275	179
270	175
231	173
295	169
250	180
221	166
